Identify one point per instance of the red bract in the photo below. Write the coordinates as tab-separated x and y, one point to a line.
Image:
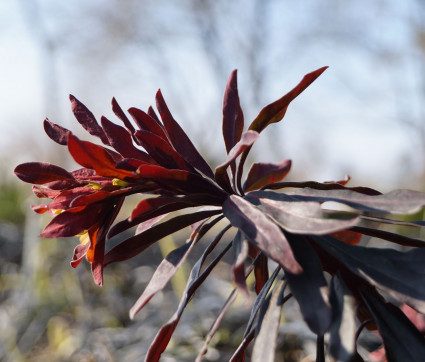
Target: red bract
291	227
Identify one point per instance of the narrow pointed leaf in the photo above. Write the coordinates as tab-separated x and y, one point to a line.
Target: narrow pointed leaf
342	333
87	119
393	237
266	340
300	217
95	157
402	341
309	287
395	202
121	115
247	140
56	133
195	280
147	123
261	174
400	274
240	246
120	139
320	186
138	243
162	152
233	121
261	231
42	172
275	111
180	140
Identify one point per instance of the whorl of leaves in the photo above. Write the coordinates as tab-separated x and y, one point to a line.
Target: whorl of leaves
319	255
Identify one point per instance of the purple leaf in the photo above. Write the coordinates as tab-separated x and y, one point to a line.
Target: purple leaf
56	133
233	121
261	231
168	268
247	140
87	119
138	243
395	202
42	173
120	139
402	341
121	115
399	274
261	174
180	140
240	246
195	280
300	217
342	341
275	111
147	123
309	287
266	340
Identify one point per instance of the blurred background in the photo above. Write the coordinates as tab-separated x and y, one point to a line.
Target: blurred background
365	116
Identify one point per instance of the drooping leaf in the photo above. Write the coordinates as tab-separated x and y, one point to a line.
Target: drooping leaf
138	243
301	217
180	140
147	123
87	119
56	133
120	139
261	174
342	333
80	252
268	330
121	115
260	230
259	301
95	157
400	274
167	269
402	341
275	111
72	223
309	287
195	280
319	186
233	120
393	237
261	272
42	172
247	140
240	245
395	202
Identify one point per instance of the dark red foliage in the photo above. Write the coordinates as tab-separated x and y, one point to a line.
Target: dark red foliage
156	158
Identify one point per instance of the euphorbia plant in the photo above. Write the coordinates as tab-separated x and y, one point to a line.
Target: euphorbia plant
313	251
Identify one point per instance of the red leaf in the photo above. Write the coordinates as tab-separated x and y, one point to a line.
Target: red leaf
347	236
261	231
80	252
121	115
240	245
147	123
87	119
71	224
161	151
180	140
120	139
56	132
95	157
247	140
233	121
275	111
138	243
42	173
261	174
